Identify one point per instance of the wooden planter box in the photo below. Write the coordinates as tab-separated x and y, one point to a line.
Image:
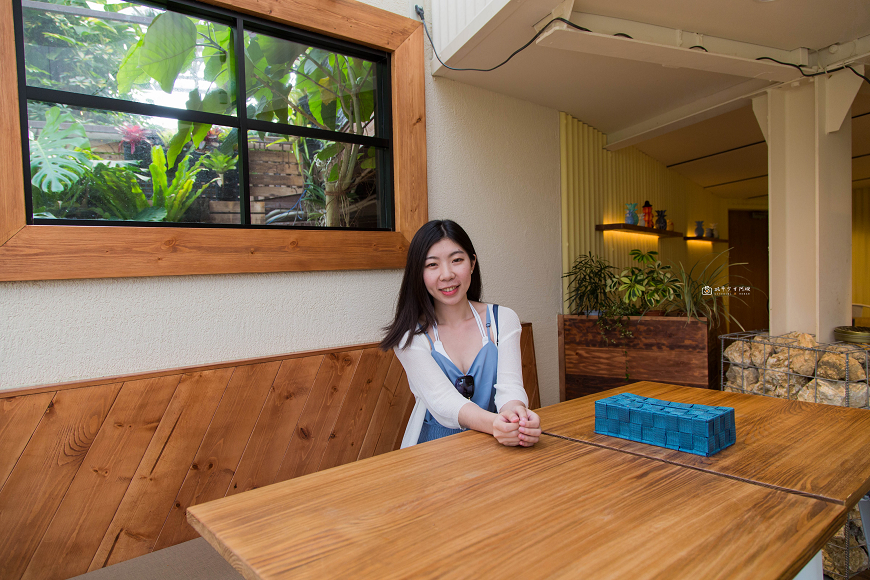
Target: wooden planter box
665	349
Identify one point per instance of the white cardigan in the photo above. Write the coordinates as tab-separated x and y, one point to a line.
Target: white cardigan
433	390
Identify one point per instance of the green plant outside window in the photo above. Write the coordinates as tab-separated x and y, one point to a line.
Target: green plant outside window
105	78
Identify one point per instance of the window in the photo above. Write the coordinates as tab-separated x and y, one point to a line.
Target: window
48	248
151	115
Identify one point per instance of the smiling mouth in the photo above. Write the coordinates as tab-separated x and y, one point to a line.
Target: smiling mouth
449	290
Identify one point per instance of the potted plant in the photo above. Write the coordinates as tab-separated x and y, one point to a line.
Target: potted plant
620	343
646	286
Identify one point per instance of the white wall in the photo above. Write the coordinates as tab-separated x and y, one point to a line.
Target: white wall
493	167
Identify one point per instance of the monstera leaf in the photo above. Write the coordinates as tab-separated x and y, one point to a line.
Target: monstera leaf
54	162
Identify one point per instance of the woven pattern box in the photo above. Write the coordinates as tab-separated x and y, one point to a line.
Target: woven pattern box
698	429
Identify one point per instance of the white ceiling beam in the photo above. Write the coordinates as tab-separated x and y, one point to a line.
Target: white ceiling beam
840	91
670	48
700	110
836	55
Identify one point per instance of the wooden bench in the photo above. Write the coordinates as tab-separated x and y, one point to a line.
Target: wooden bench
98	472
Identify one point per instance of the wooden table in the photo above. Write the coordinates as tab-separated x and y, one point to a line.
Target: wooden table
464	507
815	450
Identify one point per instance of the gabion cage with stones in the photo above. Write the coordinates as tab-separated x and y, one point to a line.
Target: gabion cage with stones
794	366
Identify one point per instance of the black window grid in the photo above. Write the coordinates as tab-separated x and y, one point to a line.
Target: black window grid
240	24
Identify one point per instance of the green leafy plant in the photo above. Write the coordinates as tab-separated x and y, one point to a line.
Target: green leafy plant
220	164
588	285
57	158
177	195
692	297
648	285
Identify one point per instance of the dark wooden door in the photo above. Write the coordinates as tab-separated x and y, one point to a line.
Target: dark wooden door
747	236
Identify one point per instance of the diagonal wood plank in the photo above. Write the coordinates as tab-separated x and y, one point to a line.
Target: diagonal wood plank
217	458
382	407
43	474
409	408
87	508
19	417
393	428
530	366
315	425
276	424
140	517
359	405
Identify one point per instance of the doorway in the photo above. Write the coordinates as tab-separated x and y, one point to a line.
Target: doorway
748	238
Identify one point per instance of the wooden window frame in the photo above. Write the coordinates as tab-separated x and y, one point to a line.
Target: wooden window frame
47	252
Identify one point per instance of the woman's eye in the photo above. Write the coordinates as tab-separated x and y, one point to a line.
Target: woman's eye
430	264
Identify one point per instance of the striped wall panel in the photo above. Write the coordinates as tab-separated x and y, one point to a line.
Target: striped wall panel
98	472
596	185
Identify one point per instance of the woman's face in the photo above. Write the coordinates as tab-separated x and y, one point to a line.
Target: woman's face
447	272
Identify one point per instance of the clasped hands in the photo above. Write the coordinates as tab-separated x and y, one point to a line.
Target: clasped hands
516	425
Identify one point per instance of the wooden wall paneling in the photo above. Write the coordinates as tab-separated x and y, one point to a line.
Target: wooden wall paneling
90	503
382	407
19	417
346	19
37	484
276	424
140	517
403	424
12	212
358	408
316	423
221	450
392	431
409	135
530	366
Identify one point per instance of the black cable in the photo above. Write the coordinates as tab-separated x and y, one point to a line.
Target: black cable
857	73
419	10
824	72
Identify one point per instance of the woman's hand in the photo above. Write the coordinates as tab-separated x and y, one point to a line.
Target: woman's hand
517	425
506	431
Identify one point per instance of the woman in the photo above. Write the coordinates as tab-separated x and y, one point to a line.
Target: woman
461	356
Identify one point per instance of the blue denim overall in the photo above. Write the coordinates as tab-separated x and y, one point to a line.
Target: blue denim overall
484	369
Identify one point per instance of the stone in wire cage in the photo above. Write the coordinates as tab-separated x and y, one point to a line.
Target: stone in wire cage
794	366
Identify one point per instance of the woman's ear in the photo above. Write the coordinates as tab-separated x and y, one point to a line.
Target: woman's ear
473	262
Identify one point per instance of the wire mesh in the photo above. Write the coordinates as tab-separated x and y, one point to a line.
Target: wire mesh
794	366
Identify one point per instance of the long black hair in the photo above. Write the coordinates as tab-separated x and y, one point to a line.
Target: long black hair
416	305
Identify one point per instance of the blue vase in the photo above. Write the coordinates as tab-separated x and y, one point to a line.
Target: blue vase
631	214
699	229
661	220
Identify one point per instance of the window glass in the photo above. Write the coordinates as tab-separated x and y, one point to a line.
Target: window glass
134	114
313	182
83	168
131	52
287	82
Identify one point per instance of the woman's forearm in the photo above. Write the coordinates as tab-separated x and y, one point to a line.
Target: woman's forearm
473	417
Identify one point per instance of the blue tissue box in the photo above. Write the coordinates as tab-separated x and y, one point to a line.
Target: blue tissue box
698	429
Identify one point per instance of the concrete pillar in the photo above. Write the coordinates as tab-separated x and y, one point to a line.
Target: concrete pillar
808	129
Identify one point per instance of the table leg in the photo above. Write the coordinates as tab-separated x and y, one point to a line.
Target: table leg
813	570
864	508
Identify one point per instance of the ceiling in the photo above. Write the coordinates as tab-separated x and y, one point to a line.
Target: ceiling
698	122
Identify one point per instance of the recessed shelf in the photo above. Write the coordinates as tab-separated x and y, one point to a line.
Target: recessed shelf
637	230
703	239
